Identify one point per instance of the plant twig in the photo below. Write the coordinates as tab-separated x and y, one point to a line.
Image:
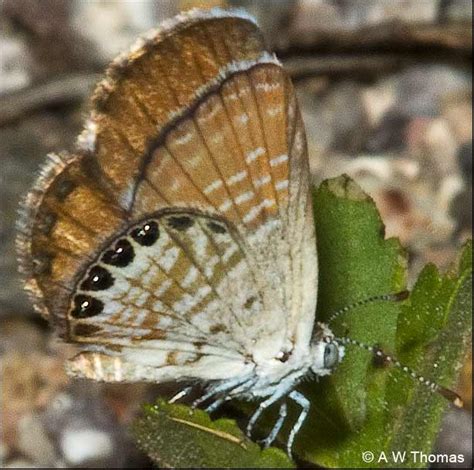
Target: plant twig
65	89
390	37
216	432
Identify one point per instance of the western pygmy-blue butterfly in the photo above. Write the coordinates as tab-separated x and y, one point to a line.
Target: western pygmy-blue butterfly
177	242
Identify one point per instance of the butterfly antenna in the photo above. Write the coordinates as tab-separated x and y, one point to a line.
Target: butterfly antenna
453	397
397	297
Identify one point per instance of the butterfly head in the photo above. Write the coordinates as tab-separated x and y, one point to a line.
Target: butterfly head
325	351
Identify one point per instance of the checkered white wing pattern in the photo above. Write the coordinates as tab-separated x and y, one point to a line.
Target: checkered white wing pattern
177	286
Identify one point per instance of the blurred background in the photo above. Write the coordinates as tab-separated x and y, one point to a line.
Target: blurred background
385	90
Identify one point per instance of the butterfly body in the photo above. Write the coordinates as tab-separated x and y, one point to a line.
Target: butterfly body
178	241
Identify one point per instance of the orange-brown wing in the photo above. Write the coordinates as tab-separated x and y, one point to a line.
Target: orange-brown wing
63	222
198	117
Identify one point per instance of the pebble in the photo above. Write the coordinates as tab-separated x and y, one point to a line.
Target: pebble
83	446
13	64
420	88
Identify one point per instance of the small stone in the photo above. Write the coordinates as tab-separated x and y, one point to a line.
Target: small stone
421	88
13	64
441	148
113	26
457	110
336	120
378	99
310	18
80	446
389	135
361	13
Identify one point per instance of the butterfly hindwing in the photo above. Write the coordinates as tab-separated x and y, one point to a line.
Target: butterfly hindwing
174	282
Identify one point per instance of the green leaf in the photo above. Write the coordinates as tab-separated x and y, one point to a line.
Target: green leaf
355	262
177	436
362	407
433	336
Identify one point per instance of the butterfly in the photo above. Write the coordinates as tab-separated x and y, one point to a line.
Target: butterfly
177	242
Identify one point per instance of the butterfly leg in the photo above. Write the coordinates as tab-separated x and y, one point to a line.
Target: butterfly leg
182	393
214	405
276	428
231	394
305	405
216	389
261	408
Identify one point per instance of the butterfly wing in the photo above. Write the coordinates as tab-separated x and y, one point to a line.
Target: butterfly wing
195	133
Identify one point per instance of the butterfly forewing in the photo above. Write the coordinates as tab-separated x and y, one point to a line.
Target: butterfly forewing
146	89
181	232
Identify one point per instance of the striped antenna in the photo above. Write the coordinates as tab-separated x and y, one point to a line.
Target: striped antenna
397	297
453	397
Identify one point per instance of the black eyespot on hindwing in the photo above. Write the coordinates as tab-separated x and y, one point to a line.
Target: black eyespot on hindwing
86	306
147	234
98	278
181	222
216	228
121	255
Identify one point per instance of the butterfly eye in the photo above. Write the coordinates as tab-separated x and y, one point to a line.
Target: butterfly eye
331	355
